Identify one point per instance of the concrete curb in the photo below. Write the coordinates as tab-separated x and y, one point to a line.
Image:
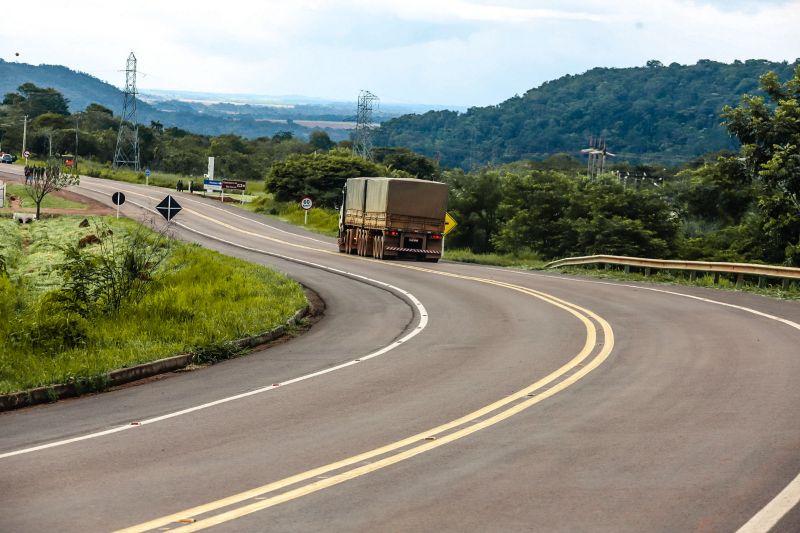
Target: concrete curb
126	375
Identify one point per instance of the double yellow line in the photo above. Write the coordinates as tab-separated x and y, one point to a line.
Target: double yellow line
263	497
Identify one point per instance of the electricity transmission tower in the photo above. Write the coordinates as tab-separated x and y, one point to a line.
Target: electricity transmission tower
597	153
127	151
362	140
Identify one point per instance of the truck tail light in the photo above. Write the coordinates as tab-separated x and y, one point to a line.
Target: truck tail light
436	237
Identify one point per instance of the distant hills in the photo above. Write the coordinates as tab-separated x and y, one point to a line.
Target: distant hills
206	113
656	113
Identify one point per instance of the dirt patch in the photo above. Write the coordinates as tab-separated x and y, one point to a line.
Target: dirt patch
88	240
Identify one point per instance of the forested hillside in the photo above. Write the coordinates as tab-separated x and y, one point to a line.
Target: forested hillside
657	114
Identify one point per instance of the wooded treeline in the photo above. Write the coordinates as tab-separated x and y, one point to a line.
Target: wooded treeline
656	113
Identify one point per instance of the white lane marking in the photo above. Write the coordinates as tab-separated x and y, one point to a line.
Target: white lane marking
421	325
789	497
204	204
771	514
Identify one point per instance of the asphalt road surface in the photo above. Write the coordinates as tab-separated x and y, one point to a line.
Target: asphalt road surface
433	397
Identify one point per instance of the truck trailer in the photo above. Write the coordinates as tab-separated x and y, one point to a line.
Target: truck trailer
392	217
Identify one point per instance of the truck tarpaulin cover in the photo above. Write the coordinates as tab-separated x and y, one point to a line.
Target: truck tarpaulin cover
355	193
406	197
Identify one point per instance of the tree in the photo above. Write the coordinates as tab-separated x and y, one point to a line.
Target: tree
474	201
13	99
45	180
536	207
404	159
770	137
38	100
320	140
283	136
320	176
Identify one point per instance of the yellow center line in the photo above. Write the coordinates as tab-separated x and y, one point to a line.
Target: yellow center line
582	314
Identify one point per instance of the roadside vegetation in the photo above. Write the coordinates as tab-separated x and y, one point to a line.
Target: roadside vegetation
77	302
320	220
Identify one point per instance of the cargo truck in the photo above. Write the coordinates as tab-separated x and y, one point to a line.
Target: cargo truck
392	217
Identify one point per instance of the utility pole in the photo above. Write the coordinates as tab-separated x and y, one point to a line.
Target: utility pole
24	133
75	159
127	151
597	153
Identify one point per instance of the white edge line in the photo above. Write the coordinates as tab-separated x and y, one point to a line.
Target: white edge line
421	325
764	520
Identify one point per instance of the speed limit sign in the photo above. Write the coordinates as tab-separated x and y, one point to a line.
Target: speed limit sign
306	203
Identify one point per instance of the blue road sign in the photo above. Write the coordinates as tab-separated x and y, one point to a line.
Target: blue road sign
147	173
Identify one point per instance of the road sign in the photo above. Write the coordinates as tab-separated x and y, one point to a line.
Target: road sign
449	223
118	198
26	154
168	208
147	173
233	184
212	185
306	203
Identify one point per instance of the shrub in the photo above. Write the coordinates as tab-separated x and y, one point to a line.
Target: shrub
53	328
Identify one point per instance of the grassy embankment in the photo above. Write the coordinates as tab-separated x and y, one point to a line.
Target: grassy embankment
198	301
51	201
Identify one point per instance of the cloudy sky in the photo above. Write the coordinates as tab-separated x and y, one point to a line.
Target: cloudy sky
451	52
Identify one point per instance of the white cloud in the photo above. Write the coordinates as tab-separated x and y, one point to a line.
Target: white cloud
447	51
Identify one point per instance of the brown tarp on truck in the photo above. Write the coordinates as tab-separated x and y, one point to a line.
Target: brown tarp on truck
407	197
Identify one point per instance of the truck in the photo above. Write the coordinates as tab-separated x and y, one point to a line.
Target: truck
389	218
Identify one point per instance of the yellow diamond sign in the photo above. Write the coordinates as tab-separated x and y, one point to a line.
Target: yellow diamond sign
449	223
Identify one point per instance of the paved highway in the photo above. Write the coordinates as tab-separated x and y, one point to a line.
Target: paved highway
433	397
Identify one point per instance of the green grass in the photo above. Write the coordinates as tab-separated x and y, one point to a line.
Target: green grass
524	260
201	301
51	201
320	220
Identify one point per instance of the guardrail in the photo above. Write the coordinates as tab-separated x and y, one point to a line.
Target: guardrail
787	274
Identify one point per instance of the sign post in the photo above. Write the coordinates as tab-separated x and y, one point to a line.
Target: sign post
449	224
146	177
26	154
2	194
306	203
118	198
